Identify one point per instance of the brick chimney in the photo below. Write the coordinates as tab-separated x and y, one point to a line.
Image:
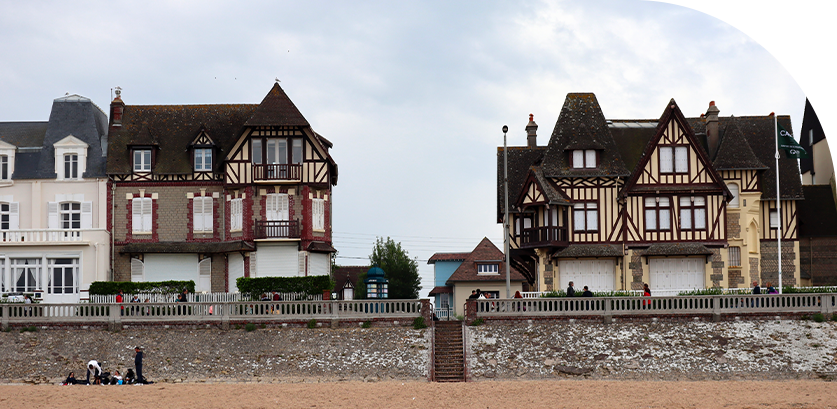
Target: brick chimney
532	132
116	107
712	138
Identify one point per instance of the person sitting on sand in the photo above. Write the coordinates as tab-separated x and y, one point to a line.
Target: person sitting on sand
71	379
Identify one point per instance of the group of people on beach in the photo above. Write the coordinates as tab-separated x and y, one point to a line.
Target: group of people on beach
96	376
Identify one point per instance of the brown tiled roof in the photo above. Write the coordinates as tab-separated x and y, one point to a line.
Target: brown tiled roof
817	213
485	251
677	249
589	250
277	110
447	257
582	125
347	273
441	290
321	247
171	128
734	151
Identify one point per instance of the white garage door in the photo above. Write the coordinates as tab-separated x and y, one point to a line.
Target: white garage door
279	260
598	275
165	267
669	275
318	264
236	270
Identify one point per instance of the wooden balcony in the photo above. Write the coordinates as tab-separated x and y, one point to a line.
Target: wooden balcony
544	237
276	229
277	173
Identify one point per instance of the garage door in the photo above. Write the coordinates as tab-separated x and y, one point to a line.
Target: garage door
669	275
598	275
318	264
278	260
165	267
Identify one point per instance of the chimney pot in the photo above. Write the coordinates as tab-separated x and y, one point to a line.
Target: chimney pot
532	132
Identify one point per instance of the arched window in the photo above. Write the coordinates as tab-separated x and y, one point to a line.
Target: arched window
733	188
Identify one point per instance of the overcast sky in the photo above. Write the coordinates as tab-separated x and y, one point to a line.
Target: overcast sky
412	94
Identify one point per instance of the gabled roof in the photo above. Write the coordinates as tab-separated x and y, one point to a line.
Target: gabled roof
447	257
520	159
485	251
817	213
277	109
553	194
734	151
171	128
342	274
582	125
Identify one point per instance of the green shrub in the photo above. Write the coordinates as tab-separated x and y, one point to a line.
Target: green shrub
130	287
250	327
366	324
818	317
459	317
477	322
805	317
550	294
312	323
797	290
312	285
29	329
834	317
418	323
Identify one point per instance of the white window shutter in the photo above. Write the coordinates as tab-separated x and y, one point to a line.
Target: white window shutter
204	275
681	161
137	270
589	158
52	215
666	160
271	204
284	213
197	214
317	214
302	263
14	215
578	159
146	214
136	215
207	213
86	215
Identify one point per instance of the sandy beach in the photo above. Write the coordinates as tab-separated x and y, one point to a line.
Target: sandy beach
486	394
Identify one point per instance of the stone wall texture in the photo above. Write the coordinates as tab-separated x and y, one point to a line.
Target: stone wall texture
818	260
770	263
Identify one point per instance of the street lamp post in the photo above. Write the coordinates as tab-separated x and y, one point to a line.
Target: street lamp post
506	218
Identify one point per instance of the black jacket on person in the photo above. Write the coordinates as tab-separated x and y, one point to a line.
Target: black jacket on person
570	291
587	293
756	290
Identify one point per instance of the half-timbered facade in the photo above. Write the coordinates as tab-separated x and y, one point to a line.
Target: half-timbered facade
678	203
212	193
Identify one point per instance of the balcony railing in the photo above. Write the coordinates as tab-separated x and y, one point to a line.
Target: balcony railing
277	171
276	229
544	236
40	236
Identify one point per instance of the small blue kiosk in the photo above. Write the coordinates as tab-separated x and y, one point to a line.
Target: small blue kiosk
376	283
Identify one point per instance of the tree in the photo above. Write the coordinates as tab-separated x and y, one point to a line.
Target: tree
401	271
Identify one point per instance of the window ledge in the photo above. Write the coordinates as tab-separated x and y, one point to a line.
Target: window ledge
135	233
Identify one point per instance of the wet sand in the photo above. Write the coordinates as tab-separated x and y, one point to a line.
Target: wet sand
396	394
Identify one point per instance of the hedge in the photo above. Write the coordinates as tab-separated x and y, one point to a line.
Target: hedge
311	285
129	287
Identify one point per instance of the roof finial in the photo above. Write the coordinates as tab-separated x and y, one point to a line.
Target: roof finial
277	79
531	117
118	91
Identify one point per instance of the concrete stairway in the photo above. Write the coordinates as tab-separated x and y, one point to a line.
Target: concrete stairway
449	352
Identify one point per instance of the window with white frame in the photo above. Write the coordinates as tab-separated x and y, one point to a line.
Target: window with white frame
26	274
203	159
70	213
585	217
584	159
71	166
318	214
733	188
141	215
236	214
774	219
674	159
734	254
5	171
142	160
62	276
692	213
202	214
485	268
276	207
276	150
9	216
657	213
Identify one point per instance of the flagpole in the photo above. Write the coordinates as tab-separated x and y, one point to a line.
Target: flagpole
778	200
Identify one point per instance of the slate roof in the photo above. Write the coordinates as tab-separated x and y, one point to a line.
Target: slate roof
734	151
552	193
186	247
810	122
582	125
171	128
70	115
447	257
589	250
817	213
677	249
278	110
520	159
485	251
321	247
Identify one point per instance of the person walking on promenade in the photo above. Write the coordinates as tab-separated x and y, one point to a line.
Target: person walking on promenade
646	292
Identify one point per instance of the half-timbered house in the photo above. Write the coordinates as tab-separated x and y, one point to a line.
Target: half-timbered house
678	203
211	193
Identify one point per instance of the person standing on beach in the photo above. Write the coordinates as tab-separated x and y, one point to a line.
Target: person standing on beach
94	368
138	364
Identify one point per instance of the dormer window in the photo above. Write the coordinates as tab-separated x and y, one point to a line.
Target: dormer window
203	159
142	160
584	159
71	166
5	173
484	268
276	151
674	159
